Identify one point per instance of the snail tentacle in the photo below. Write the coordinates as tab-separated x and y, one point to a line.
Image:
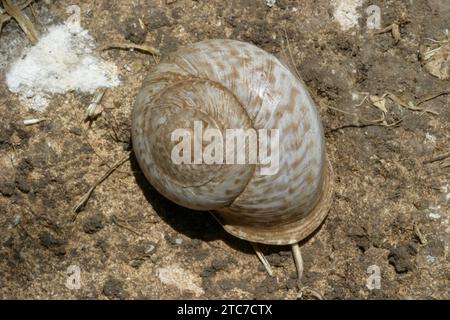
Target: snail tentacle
298	259
262	258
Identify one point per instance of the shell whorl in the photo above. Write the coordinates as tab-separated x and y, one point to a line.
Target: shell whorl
231	84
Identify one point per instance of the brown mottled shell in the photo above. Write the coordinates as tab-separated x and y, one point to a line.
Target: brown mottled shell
232	84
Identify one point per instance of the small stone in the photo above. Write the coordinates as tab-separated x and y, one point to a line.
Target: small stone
140	252
267	286
93	224
402	258
48	240
278	259
291	284
22	183
219	265
113	289
149	248
134	31
7	188
173	239
208	272
270	3
226	285
177	13
216	266
421	204
359	235
25	166
76	131
16	220
136	263
52	243
5	134
158	19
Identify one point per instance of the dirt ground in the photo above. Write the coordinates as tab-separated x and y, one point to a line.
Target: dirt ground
391	205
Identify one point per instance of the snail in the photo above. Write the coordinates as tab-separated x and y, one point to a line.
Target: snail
229	84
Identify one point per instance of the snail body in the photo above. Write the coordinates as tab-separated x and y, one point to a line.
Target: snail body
231	84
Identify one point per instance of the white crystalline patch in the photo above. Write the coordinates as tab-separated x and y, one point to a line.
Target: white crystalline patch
182	279
445	194
430	138
270	3
346	12
61	61
434	212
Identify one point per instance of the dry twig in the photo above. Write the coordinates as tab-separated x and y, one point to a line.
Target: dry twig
394	29
437	158
5	17
23	21
30	122
409	106
419	234
433	96
82	203
124	226
127	46
446	163
94	109
366	122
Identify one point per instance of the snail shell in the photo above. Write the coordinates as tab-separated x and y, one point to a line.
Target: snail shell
232	84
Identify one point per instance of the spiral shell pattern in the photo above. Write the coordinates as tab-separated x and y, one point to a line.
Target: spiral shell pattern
231	84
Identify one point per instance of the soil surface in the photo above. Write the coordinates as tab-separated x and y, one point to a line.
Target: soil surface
391	206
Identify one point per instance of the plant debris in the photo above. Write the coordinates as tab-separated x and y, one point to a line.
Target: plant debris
394	29
82	203
24	22
62	61
436	58
131	46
